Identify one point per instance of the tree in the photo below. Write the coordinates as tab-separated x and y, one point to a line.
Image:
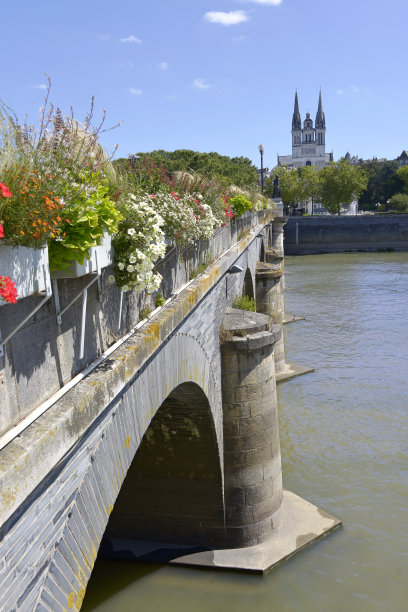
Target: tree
399	202
383	182
341	183
289	183
402	174
238	171
311	184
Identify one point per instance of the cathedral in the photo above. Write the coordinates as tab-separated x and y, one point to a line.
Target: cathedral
308	143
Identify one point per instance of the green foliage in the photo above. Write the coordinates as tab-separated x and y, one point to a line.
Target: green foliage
84	223
234	171
240	205
244	302
402	174
292	190
341	183
310	183
144	313
159	300
399	201
383	183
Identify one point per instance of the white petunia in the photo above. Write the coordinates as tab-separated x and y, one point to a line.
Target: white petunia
131	231
121	265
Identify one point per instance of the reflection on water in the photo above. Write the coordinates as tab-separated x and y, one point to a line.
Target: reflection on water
344	438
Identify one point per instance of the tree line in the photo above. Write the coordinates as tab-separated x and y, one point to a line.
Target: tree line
376	185
239	171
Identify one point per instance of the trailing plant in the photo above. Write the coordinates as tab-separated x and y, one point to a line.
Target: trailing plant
186	218
240	204
31	213
84	223
139	242
8	291
159	300
144	313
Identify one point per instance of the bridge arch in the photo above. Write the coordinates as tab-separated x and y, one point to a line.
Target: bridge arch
248	288
173	491
184	377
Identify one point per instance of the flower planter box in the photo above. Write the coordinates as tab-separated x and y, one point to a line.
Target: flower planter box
99	257
27	267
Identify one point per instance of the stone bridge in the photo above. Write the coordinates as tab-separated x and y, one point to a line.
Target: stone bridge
168	449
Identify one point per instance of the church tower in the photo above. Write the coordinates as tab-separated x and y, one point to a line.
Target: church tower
320	129
296	130
308	141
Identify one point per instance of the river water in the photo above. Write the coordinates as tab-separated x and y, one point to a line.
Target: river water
344	439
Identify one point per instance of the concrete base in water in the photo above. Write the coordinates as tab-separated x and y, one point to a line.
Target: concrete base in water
302	523
288	318
291	370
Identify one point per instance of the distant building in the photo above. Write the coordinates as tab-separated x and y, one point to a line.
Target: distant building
403	159
308	143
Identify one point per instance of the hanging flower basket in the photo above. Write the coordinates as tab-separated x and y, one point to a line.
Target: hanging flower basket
27	267
99	257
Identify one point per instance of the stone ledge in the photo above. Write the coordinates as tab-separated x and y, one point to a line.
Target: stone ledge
302	523
291	370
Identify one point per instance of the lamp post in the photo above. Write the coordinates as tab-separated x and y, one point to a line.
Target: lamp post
261	150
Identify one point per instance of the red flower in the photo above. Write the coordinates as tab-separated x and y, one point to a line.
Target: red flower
1	231
5	191
8	291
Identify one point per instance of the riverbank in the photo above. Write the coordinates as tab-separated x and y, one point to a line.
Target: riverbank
332	234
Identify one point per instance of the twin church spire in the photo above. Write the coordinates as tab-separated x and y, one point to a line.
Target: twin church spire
308	139
320	122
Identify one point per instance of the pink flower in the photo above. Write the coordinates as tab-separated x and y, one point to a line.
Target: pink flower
5	191
8	291
1	231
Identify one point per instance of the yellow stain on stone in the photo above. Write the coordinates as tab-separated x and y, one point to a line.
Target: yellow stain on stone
128	442
110	508
70	600
80	597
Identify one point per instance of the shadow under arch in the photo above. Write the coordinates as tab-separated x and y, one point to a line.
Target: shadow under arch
248	288
262	252
173	490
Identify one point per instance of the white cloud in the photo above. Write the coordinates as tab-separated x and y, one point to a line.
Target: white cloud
267	2
239	39
163	65
135	92
200	84
131	39
226	19
104	36
354	89
41	86
339	92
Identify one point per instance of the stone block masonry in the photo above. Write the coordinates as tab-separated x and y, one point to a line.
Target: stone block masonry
333	234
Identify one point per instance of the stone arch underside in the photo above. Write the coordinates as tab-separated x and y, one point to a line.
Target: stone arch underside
262	251
248	288
173	490
91	481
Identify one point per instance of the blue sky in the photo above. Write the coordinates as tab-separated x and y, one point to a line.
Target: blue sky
215	75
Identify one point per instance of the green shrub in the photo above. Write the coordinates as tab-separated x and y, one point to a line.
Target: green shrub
240	205
244	302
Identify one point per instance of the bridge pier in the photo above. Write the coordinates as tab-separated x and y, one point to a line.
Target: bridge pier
252	459
269	301
263	523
